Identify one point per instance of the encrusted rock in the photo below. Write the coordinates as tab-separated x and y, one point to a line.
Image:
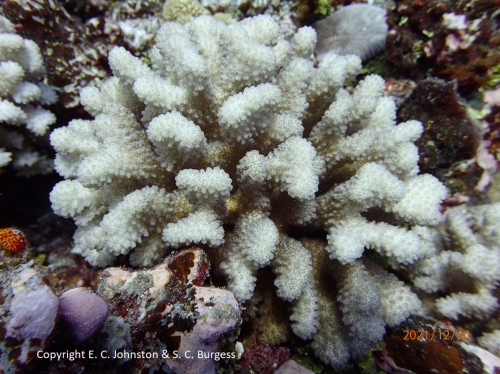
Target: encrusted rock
169	311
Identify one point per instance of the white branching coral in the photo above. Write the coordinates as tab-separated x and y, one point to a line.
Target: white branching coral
22	93
463	264
234	140
491	342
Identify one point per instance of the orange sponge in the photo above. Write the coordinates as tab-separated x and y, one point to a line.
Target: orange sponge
12	240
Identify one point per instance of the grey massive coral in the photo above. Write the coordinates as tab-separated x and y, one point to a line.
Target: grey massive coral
357	29
233	139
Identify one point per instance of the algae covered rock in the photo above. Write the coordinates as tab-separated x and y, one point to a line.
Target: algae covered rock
168	316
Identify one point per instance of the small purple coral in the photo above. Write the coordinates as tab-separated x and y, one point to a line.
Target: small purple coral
84	311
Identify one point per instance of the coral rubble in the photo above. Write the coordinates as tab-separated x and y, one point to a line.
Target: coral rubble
72	61
232	139
455	138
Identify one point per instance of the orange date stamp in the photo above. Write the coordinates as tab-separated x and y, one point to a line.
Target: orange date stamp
440	334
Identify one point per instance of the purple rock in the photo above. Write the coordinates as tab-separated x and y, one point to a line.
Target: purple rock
33	312
84	311
292	367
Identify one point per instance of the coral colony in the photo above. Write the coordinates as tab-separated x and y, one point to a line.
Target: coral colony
243	153
21	91
232	139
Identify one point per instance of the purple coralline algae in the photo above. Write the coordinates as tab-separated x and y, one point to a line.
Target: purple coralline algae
292	367
83	311
27	316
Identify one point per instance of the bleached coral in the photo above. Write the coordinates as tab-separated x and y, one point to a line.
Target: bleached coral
232	138
22	93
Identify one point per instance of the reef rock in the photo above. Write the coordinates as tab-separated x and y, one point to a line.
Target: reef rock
167	311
